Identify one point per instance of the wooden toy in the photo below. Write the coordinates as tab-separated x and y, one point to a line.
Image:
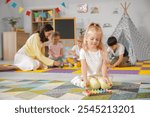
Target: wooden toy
92	92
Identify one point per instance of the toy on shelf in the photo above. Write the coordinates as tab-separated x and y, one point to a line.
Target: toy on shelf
38	19
88	92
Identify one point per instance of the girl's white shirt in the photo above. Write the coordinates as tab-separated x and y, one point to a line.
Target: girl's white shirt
76	49
93	60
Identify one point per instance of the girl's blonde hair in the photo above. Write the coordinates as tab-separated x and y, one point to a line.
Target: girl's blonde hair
80	38
95	27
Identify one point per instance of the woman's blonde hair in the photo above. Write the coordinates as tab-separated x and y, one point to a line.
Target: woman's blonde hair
80	39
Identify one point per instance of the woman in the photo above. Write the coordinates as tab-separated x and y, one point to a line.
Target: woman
31	55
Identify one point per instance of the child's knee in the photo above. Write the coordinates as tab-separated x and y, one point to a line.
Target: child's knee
94	83
104	84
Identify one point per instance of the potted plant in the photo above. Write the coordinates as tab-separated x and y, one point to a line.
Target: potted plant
12	21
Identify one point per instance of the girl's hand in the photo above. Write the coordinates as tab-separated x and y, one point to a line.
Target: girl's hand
71	52
57	63
51	52
86	83
107	80
76	55
110	66
56	56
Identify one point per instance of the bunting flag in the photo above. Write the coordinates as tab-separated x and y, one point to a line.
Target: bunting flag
43	14
14	5
50	13
36	15
28	13
57	10
63	4
7	1
20	10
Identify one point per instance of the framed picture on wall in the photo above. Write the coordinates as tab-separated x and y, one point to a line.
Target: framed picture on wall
107	25
82	8
94	10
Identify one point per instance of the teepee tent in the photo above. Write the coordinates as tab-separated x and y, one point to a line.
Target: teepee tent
127	34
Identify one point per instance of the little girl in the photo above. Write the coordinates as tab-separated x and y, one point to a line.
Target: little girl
56	48
93	59
73	57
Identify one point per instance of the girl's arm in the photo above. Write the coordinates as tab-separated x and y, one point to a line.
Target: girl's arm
105	72
61	53
104	69
84	71
105	64
51	53
71	52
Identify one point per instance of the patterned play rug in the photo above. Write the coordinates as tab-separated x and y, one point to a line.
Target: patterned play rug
61	90
141	68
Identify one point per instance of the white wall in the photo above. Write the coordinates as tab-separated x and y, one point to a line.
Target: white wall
138	11
6	11
83	19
